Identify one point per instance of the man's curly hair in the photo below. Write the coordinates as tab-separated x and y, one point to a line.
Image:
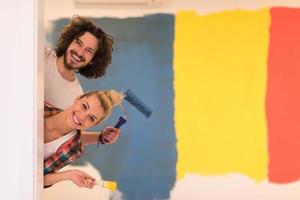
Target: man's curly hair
102	58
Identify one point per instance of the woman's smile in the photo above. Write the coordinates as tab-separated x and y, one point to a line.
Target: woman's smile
76	119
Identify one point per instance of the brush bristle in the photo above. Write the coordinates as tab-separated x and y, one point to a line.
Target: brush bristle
112	185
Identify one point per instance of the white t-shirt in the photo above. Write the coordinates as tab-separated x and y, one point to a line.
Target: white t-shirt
57	90
50	148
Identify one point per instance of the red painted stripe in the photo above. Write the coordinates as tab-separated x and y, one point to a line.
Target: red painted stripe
283	95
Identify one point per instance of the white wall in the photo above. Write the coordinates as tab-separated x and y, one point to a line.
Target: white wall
22	81
21	86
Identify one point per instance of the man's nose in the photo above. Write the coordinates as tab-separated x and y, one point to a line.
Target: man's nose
80	51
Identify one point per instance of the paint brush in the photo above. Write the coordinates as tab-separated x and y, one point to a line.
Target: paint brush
111	185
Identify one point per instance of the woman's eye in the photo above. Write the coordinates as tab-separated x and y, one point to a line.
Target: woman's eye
84	106
92	119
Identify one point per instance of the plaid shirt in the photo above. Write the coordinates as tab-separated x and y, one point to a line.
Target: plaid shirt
69	151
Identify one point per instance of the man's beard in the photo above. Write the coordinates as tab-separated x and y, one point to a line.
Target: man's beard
70	66
67	65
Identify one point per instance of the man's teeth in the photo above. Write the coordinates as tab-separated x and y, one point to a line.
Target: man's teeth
76	58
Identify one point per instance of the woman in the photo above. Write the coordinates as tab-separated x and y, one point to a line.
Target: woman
64	146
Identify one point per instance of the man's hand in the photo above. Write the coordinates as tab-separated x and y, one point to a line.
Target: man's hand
110	135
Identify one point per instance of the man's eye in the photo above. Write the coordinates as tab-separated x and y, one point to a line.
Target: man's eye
77	42
84	106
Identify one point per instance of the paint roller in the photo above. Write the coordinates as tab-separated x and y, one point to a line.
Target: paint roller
133	100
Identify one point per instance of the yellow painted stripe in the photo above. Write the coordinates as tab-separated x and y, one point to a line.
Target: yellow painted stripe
220	83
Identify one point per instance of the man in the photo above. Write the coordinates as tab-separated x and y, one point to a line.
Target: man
84	48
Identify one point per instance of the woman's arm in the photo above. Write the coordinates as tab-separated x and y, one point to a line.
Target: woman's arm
78	177
109	135
88	137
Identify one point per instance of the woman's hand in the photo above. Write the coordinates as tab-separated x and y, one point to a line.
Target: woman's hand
81	178
110	135
107	136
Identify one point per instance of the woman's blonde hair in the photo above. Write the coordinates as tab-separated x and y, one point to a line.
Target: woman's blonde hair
108	99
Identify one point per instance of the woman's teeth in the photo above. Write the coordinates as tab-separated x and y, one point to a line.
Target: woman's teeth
76	120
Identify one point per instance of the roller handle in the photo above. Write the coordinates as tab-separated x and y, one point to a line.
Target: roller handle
121	121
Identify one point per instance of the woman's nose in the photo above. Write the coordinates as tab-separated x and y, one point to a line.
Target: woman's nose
79	116
86	115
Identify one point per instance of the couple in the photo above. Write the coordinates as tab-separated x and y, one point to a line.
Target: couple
84	48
